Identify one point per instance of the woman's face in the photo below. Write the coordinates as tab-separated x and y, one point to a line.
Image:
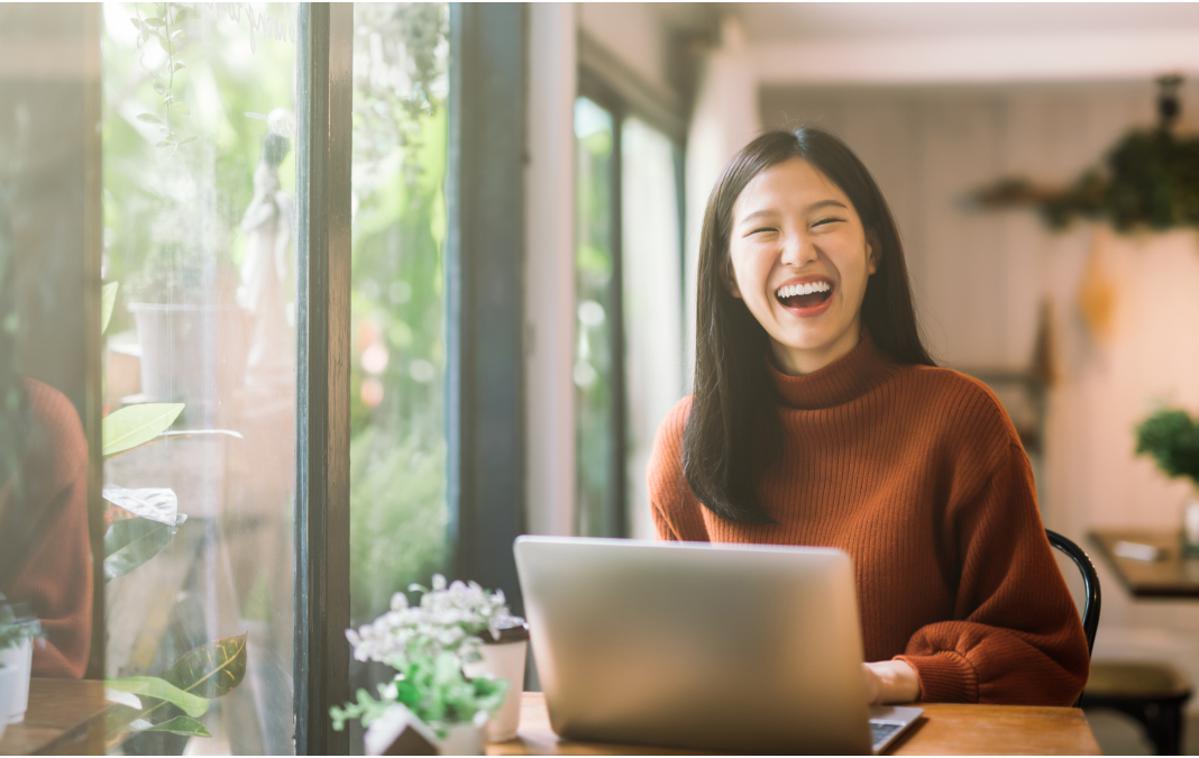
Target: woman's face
800	262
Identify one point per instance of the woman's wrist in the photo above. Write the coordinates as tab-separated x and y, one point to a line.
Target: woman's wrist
895	681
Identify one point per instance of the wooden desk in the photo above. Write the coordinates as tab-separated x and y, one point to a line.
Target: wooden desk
944	730
1173	576
59	719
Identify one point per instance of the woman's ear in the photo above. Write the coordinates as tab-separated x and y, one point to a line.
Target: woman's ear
871	256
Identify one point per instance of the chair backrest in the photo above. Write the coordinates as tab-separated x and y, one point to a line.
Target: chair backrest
1092	597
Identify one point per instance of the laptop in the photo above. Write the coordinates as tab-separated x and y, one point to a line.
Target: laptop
706	647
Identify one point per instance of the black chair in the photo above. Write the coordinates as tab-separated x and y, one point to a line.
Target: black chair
1150	692
1092	597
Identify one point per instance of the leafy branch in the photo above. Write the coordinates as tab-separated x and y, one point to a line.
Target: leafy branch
163	28
189	685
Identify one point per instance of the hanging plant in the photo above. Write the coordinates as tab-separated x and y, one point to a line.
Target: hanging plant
1149	179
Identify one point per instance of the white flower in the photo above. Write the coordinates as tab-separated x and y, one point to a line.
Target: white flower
448	618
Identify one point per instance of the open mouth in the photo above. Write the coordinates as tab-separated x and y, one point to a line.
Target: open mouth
805	295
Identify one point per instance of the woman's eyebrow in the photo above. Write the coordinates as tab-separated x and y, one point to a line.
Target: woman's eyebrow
772	212
757	214
823	203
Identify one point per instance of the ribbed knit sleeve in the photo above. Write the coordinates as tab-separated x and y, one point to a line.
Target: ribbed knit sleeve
1016	636
676	515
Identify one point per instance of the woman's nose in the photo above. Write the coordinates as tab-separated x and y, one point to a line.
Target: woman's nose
797	250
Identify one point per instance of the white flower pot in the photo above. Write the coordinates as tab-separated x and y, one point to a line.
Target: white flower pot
8	690
464	739
191	353
399	732
14	682
506	661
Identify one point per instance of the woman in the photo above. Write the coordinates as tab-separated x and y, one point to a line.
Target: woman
818	418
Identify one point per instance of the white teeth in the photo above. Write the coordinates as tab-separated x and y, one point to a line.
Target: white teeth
803	289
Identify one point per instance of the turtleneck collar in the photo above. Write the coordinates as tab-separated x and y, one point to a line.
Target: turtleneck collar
846	378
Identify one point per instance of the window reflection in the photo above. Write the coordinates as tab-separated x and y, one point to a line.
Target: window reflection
46	593
200	368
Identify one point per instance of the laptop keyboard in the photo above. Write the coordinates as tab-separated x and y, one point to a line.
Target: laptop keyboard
881	730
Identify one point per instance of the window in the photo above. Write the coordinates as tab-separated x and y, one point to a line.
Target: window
195	160
398	508
597	354
628	368
199	191
399	511
651	215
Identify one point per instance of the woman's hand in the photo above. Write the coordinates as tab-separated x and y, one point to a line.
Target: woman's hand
890	682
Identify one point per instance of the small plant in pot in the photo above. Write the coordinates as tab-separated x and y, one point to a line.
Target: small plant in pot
19	630
1171	437
444	689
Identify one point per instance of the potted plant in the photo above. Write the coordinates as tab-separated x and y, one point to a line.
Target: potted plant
1171	437
18	630
444	691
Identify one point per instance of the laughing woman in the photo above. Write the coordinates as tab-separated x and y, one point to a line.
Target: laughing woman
818	418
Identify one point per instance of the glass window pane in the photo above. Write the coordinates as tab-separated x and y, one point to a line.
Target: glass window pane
200	364
651	266
398	483
593	379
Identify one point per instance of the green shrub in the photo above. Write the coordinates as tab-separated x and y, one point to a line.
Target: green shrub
1171	436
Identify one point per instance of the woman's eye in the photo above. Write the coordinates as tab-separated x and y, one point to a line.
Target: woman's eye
824	221
761	229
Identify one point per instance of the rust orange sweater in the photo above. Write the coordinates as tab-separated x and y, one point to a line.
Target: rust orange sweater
918	474
44	544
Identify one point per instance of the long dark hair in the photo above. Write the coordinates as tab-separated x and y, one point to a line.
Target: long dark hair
733	432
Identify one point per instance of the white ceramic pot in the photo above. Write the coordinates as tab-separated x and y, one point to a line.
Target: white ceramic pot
191	353
506	661
464	739
8	688
1190	524
14	681
399	732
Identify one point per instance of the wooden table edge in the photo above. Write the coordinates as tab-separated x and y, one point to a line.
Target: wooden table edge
989	729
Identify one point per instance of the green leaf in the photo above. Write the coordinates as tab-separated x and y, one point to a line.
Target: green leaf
129	543
151	686
149	118
207	671
134	425
183	726
108	298
211	670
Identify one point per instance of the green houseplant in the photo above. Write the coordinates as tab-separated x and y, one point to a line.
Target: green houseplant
428	644
1171	437
142	523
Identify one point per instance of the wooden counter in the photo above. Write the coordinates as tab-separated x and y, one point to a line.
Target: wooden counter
1173	575
59	719
945	729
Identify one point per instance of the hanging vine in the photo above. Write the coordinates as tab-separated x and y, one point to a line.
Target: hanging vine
1149	179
